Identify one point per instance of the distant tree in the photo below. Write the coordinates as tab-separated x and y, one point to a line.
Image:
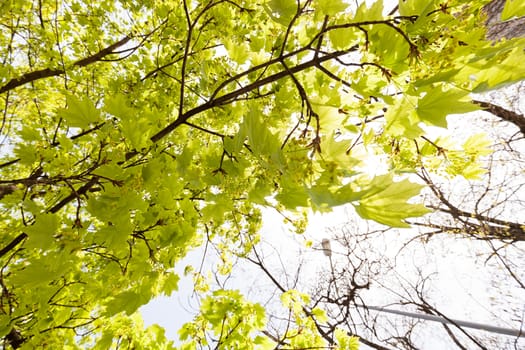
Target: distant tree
365	279
365	275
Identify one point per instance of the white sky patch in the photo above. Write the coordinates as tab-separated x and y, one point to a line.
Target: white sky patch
374	165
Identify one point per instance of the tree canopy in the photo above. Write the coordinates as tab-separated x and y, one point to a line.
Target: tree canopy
133	131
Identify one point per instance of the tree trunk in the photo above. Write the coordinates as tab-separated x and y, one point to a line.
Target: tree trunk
498	29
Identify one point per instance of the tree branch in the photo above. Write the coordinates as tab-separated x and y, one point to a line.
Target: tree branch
48	72
13	244
14	338
505	114
229	97
73	195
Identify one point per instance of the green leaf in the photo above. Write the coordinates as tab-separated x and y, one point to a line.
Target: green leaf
402	119
264	343
262	141
117	105
79	113
386	201
473	172
292	196
513	8
330	118
170	284
343	38
335	150
282	10
41	233
134	131
438	77
393	50
437	103
260	191
231	145
419	8
322	198
320	315
331	7
478	144
27	153
365	13
30	134
5	325
40	272
134	126
127	301
501	70
237	51
345	341
114	236
111	171
416	7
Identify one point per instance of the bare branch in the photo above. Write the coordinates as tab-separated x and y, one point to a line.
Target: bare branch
505	114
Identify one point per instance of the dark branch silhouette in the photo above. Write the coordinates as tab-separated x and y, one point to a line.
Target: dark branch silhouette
505	114
48	72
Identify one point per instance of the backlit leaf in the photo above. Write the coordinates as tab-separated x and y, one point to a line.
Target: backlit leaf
385	201
437	103
332	7
79	112
513	8
41	233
